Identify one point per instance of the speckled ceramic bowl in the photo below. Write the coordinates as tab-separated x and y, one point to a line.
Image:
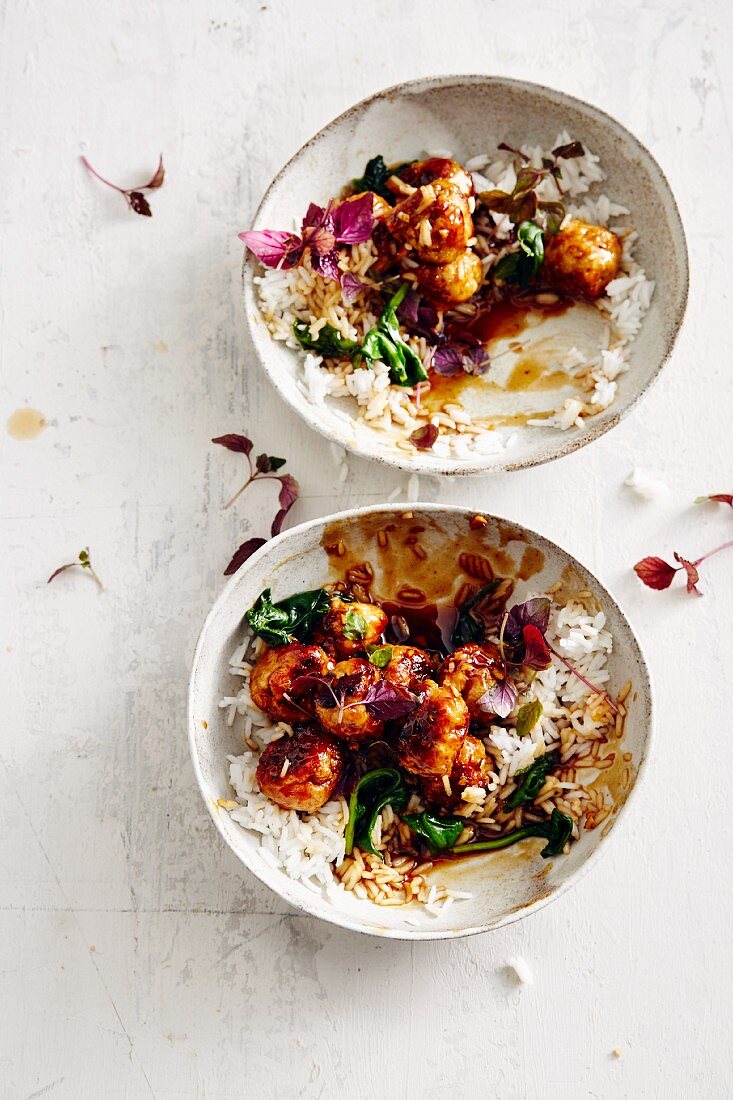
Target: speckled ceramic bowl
470	115
506	885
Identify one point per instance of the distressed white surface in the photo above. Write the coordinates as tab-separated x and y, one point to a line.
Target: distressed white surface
137	958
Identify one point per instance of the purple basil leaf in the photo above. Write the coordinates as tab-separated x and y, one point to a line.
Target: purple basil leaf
353	221
534	612
326	264
61	569
314	216
232	442
407	310
139	203
321	240
424	436
289	492
273	248
387	700
447	360
500	699
536	651
476	360
246	550
158	178
351	287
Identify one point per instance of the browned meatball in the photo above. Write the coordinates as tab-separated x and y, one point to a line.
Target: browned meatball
469	770
435	221
353	626
473	670
582	259
448	285
432	735
434	168
301	772
380	206
351	681
408	666
275	673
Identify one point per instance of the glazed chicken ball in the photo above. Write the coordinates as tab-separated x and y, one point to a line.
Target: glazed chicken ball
408	666
435	221
301	772
353	626
434	168
470	769
581	260
380	206
351	681
448	285
472	670
275	673
433	733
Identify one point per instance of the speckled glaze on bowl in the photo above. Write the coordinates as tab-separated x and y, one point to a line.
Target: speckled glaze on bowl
506	885
469	115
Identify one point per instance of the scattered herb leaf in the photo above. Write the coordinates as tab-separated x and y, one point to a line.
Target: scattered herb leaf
425	436
134	196
381	656
83	561
528	717
658	574
355	625
500	699
264	469
718	498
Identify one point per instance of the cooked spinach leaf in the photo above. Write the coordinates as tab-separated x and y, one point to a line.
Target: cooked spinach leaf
439	833
556	831
295	617
375	178
384	342
374	791
329	342
522	266
532	780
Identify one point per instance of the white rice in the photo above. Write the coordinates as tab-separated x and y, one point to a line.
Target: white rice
307	847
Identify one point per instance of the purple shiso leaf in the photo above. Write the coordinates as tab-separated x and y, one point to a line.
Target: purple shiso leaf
326	265
246	550
420	318
500	699
387	700
315	215
476	360
447	360
536	649
320	240
274	248
353	221
407	311
534	612
351	287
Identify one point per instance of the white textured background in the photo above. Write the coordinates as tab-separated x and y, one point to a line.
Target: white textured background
137	957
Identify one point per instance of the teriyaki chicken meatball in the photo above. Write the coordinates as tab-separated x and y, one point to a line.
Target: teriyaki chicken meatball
341	709
301	772
470	769
277	684
408	666
433	733
353	626
472	670
435	221
581	260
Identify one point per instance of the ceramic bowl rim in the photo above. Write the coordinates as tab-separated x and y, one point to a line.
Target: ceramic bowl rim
332	914
592	430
